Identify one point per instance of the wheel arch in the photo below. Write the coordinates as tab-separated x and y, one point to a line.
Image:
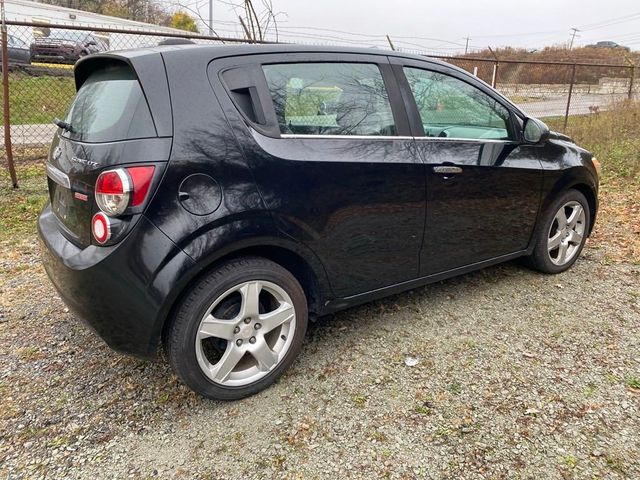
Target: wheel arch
309	273
592	200
577	179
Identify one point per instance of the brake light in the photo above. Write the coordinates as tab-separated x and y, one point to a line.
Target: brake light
101	228
141	179
112	191
121	188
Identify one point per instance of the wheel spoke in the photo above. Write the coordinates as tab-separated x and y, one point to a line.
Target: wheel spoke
562	252
283	314
555	241
572	221
214	327
561	218
250	304
575	238
227	363
265	357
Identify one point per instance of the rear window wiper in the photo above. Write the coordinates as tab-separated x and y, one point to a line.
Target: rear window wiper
63	125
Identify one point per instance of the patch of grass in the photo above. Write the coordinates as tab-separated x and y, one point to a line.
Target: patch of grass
422	410
590	390
633	382
36	100
20	207
455	388
360	401
570	461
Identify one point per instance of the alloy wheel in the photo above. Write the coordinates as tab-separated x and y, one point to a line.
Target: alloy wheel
566	233
245	333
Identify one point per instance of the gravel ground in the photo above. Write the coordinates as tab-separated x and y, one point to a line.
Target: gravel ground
503	373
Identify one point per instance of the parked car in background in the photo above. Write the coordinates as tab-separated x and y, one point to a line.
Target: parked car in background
608	44
211	199
18	51
65	46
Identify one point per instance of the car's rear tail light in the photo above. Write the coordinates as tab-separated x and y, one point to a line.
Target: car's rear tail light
112	191
141	178
121	188
101	228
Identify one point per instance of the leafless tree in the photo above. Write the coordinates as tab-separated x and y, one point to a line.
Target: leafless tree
258	23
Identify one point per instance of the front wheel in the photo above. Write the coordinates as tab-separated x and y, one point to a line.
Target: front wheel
562	234
238	329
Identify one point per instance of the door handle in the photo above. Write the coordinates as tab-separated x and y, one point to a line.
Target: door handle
447	170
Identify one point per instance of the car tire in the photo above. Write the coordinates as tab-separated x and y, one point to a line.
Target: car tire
561	236
237	329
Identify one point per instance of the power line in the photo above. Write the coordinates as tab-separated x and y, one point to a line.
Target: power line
612	21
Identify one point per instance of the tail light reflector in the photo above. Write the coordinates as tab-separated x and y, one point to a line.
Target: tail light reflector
101	228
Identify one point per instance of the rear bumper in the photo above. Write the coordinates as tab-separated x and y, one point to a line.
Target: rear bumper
119	291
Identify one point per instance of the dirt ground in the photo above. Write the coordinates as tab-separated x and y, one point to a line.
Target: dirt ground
518	375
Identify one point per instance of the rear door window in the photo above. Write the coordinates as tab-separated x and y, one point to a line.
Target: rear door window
330	99
110	106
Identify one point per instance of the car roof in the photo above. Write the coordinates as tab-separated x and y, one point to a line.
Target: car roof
226	50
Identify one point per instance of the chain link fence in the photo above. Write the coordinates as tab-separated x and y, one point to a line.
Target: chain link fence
555	90
40	82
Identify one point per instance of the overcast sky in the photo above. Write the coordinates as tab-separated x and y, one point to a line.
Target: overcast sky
443	25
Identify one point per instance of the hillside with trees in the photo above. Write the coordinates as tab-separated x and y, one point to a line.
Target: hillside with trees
613	56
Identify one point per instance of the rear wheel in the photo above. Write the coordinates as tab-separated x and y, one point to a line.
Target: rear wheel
563	233
238	329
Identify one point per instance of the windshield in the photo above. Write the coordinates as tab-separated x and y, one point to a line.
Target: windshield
110	106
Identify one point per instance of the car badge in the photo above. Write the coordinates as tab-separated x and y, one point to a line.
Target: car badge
84	161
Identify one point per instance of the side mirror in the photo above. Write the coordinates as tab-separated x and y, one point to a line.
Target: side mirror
535	131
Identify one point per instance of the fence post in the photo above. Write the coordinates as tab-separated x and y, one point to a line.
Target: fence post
5	97
633	74
494	77
573	80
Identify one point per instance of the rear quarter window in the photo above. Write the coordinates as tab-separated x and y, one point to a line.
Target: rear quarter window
110	106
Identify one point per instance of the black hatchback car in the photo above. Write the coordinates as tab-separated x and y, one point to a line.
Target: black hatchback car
211	199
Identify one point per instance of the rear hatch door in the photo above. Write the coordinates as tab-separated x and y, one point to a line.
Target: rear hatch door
114	120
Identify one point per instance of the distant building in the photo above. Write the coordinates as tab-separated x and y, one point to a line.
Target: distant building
26	11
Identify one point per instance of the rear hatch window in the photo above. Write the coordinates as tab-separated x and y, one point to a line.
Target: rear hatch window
110	106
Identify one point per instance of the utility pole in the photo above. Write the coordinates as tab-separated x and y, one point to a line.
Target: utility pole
573	37
466	46
5	97
390	43
211	18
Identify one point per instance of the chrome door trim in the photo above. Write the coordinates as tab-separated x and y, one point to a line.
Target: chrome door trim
465	140
307	136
